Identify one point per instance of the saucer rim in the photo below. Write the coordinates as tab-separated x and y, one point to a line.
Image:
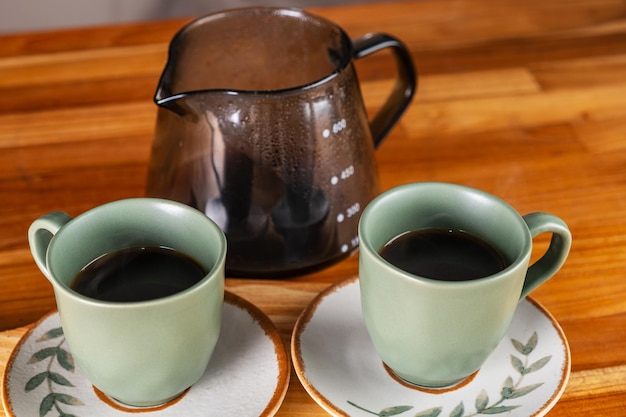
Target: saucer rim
309	312
258	316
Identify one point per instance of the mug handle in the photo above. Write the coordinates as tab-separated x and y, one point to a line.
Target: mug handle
40	234
551	261
405	86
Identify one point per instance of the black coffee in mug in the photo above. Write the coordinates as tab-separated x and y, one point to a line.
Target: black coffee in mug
443	254
138	274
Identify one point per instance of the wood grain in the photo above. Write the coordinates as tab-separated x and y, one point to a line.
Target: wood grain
526	100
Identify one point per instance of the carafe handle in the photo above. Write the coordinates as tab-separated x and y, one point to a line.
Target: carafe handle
405	86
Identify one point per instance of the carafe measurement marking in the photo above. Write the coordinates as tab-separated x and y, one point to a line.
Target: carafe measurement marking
343	175
351	211
354	242
336	128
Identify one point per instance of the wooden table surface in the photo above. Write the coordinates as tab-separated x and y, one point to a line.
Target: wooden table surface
526	100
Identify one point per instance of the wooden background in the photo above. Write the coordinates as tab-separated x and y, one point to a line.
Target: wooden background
526	100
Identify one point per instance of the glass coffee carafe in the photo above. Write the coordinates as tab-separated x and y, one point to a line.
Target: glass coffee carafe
261	125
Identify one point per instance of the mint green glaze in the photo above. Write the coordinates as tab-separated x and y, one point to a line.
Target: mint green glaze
435	333
141	353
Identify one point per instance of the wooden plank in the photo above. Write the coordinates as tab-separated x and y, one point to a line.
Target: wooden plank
518	111
580	72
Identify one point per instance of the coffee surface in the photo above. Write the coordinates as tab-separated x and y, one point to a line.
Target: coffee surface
443	254
138	274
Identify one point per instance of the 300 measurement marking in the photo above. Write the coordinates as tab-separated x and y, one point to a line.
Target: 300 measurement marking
351	211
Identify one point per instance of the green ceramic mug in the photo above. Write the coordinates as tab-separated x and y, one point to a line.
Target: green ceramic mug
140	353
436	333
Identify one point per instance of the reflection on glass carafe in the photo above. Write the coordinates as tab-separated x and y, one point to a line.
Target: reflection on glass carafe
261	125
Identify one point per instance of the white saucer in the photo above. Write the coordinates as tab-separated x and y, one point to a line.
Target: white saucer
248	374
338	366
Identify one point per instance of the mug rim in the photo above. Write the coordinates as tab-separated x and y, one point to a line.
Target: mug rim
518	262
211	275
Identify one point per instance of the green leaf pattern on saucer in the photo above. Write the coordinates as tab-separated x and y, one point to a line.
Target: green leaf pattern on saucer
511	388
248	374
58	360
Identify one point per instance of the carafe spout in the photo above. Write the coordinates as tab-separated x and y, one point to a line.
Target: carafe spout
174	103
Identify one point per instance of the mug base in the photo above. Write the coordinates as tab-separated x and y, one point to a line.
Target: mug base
431	386
141	406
